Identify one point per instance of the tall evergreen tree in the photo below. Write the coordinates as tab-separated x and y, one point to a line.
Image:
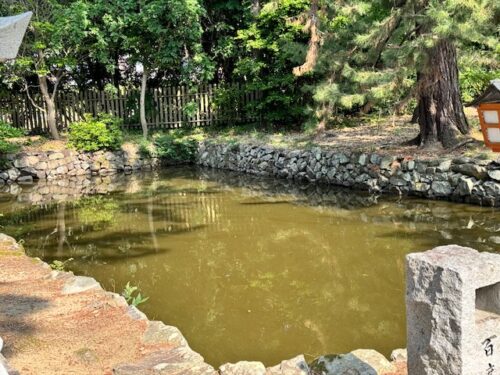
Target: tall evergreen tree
269	47
391	52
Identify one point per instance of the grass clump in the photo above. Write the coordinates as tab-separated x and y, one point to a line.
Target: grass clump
8	131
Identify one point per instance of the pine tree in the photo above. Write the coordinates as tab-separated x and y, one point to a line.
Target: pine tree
386	55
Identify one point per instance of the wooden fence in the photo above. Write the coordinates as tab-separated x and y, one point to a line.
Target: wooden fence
166	107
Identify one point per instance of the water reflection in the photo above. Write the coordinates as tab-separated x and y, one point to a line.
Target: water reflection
249	268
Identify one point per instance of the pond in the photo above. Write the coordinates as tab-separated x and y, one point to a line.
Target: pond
247	268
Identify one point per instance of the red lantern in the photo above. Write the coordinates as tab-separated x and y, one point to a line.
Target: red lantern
488	108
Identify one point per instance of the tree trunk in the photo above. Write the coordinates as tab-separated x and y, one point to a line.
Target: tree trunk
255	8
314	42
142	103
51	107
440	109
322	118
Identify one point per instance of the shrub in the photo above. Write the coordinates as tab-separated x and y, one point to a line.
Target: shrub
175	147
8	131
474	79
96	133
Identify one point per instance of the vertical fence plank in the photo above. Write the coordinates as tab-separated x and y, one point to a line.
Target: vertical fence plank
169	107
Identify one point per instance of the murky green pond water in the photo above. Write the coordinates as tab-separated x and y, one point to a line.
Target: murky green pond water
250	268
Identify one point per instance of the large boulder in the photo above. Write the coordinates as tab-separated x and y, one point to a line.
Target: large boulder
494	174
470	169
441	188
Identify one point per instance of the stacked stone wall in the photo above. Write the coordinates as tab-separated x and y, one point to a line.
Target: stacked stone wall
26	167
461	180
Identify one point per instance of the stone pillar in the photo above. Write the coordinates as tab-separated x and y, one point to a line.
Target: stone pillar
453	307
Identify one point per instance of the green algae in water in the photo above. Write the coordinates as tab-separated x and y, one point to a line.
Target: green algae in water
248	268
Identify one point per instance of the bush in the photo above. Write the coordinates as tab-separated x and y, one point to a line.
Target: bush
8	131
175	147
94	134
474	80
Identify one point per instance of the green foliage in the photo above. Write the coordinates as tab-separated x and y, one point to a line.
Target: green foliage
128	294
474	79
94	134
368	58
270	47
160	34
146	148
229	106
8	131
54	45
371	52
6	148
97	211
132	107
175	146
58	265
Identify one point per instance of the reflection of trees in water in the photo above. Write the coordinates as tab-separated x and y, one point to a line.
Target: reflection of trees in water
307	283
97	212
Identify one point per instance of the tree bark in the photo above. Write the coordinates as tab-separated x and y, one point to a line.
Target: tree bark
255	8
440	110
142	103
314	42
51	107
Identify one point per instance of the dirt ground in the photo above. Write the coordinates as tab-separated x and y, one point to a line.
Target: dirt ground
48	332
386	135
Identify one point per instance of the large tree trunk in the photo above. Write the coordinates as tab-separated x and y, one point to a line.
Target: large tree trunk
51	107
142	103
312	26
440	110
255	8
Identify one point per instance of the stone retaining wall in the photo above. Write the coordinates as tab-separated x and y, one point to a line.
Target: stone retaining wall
461	180
25	167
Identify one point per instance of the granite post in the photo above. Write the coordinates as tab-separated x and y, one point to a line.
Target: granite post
453	307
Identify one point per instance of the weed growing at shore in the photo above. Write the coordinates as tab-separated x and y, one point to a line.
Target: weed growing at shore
128	294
